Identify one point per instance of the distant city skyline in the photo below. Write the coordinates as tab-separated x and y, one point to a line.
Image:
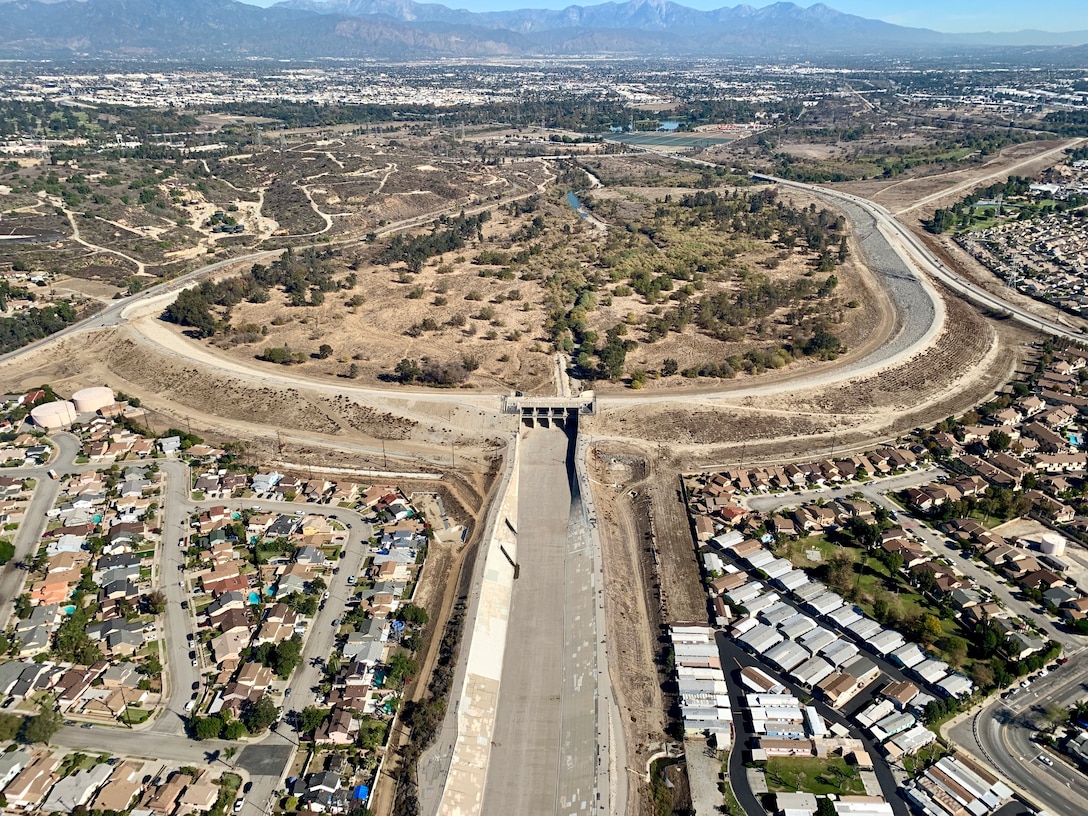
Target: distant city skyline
939	15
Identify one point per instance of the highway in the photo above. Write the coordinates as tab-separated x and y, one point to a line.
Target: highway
1000	733
909	246
112	314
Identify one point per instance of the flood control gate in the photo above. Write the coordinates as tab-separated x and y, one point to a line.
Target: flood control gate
550	411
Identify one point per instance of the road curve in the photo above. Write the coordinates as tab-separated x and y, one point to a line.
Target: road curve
909	246
899	255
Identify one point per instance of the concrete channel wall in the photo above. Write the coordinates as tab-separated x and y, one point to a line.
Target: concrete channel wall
476	699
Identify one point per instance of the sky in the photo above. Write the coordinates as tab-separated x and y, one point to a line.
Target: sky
941	15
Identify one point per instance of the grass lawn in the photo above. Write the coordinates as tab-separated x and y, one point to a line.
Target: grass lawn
796	551
135	716
812	775
228	788
924	757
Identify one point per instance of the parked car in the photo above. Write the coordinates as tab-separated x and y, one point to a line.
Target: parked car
351	580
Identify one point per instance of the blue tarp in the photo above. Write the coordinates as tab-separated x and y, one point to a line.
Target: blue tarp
361	792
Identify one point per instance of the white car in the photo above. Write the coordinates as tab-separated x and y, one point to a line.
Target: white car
238	805
1043	758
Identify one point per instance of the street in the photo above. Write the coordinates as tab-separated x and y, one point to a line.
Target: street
164	737
877	491
1000	733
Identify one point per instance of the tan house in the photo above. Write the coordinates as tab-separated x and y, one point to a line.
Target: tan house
198	798
163	799
123	785
30	785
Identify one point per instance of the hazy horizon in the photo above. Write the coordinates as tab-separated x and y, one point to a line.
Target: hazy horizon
939	15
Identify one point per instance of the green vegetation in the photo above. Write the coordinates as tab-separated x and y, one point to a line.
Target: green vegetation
135	716
302	278
258	716
450	237
42	726
282	657
828	775
1016	205
33	324
9	726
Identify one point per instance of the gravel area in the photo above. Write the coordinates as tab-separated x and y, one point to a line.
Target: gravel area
917	310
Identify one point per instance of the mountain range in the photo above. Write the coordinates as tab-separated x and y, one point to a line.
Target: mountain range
404	29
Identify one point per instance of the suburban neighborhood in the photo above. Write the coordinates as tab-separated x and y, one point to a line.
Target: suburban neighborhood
162	587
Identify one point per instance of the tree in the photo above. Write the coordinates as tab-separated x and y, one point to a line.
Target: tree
324	351
311	718
43	725
929	628
998	440
955	648
982	675
286	657
401	668
156	602
275	354
1055	715
7	551
258	716
669	367
234	730
9	727
206	728
152	666
410	613
407	371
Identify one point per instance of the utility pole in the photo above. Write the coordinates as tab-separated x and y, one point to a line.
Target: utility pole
385	459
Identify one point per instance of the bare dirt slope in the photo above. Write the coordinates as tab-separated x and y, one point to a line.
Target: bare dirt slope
917	197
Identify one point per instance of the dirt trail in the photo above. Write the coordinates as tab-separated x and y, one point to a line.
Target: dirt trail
978	180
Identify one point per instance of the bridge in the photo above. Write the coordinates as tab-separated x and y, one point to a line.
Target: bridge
548	412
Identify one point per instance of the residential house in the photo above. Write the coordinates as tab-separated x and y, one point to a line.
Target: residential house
340	728
77	789
162	800
125	782
30	786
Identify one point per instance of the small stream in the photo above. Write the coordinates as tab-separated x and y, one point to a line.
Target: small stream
576	205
